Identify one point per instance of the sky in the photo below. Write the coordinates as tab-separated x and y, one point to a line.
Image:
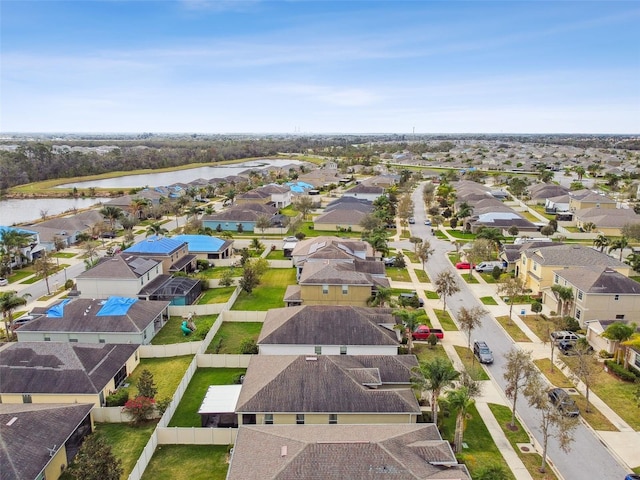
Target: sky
304	66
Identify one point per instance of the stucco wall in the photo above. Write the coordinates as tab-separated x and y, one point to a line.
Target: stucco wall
357	295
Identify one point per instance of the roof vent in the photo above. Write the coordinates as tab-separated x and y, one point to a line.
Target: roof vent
283	451
311	359
12	421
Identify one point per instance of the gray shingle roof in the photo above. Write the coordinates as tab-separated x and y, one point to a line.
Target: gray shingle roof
327	325
60	368
327	273
571	255
118	267
37	427
341	217
599	280
293	384
338	452
312	245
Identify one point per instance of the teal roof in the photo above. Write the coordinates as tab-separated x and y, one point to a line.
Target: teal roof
19	230
155	245
201	243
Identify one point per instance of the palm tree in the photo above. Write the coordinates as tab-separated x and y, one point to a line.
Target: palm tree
11	242
434	376
580	171
619	244
44	267
464	210
493	235
601	242
459	400
619	332
138	207
380	297
156	229
564	296
229	196
9	301
112	214
409	323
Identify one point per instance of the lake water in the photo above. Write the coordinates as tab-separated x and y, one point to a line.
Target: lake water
28	210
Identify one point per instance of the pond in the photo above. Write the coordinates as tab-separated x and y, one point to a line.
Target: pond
29	210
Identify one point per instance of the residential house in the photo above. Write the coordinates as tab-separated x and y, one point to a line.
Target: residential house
328	330
313	247
581	199
83	320
501	220
354	452
68	228
173	254
384	180
59	372
340	220
291	389
246	215
595	329
608	221
540	192
278	196
537	265
39	441
599	293
366	192
559	204
29	251
205	247
511	254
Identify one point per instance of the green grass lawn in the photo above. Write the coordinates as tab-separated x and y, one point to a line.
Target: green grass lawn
431	295
422	276
453	257
445	320
532	461
469	278
488	300
309	231
441	235
188	462
487	277
427	353
216	295
63	255
411	256
126	441
289	211
216	272
553	373
277	255
461	235
18	275
186	414
397	291
269	294
171	332
539	325
471	364
398	274
512	329
167	373
230	336
482	450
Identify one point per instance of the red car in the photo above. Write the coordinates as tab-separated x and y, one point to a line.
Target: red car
423	332
463	266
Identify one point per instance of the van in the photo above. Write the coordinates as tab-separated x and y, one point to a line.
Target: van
564	335
482	352
488	266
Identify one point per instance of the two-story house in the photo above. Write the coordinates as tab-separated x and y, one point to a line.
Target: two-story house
120	275
171	253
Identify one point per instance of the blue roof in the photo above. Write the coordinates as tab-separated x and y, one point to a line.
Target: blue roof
57	311
155	244
201	243
19	230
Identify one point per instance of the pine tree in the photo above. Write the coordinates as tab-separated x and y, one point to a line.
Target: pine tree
146	387
95	461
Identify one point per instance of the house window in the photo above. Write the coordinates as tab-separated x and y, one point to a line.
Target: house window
556	279
578	314
268	418
343	349
47	338
26	398
333	419
325	289
248	418
345	289
73	340
300	419
136	356
141	281
120	377
535	266
620	317
101	340
580	295
616	297
318	350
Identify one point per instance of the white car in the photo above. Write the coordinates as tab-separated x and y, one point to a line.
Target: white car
3	282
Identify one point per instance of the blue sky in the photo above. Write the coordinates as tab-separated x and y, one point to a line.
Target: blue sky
320	66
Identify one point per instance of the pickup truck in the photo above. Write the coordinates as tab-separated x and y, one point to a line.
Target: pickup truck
423	332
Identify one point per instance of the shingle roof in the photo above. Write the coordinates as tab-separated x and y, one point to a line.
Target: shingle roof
247	212
312	245
285	383
607	217
33	430
338	452
599	280
571	255
78	222
119	267
327	325
545	190
323	273
341	217
361	188
60	368
155	245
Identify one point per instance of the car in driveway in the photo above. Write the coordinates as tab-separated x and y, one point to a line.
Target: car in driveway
423	332
389	261
563	402
463	266
568	347
3	282
564	335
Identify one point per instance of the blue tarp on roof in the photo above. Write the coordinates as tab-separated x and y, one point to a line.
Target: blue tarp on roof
155	245
116	306
201	243
57	311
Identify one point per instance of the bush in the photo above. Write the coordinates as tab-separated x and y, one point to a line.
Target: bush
536	307
620	372
604	354
496	272
69	284
140	408
248	347
202	264
238	379
399	262
413	302
163	404
118	398
571	324
300	235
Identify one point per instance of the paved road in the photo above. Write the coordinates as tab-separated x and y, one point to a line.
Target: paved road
588	456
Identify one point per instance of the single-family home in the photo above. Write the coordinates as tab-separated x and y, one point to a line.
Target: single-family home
384	180
299	390
366	192
173	254
278	196
61	372
328	330
68	228
608	221
581	199
205	247
510	253
352	248
340	220
354	452
84	320
539	192
501	220
245	215
537	265
27	249
598	293
38	442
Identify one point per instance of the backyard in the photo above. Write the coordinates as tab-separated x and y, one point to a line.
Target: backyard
216	295
270	293
398	274
171	332
167	374
126	441
229	337
188	462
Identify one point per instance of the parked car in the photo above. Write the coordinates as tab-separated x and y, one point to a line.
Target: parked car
482	352
568	347
423	332
632	476
3	282
412	220
108	235
427	222
389	261
18	322
463	266
409	295
563	402
488	266
564	335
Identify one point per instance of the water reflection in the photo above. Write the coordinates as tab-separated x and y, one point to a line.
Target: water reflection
29	210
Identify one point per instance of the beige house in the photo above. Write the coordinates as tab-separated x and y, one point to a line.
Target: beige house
582	199
537	266
173	254
300	390
599	293
608	221
55	372
339	220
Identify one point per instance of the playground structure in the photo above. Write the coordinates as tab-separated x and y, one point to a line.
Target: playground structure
188	325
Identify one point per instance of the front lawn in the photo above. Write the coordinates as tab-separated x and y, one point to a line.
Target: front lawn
186	414
63	255
230	336
445	320
512	329
398	274
411	256
426	353
553	373
167	374
431	295
422	276
471	364
171	332
461	235
270	293
540	326
188	462
488	300
487	277
126	441
216	295
481	450
277	255
469	278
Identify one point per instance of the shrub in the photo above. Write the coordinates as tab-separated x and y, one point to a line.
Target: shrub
432	340
217	345
536	307
248	347
163	404
413	302
399	263
146	386
140	408
238	379
496	272
69	284
620	372
300	235
604	354
202	264
571	324
227	278
118	398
